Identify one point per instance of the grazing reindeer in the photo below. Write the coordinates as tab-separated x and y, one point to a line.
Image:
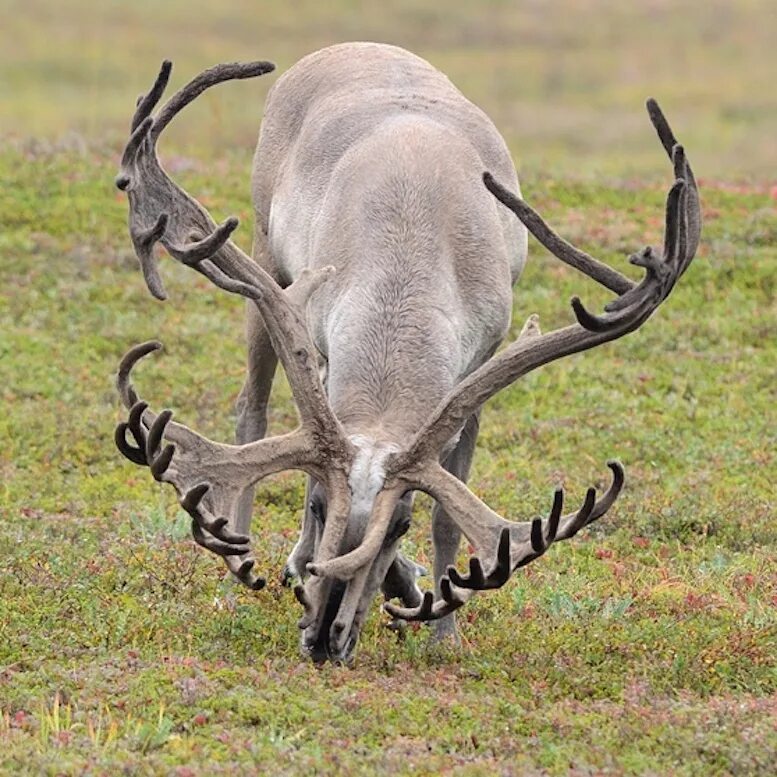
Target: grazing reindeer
378	251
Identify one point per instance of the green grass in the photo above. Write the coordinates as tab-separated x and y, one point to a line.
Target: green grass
646	646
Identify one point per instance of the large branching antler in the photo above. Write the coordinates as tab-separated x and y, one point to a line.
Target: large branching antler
514	548
160	211
503	546
623	315
209	476
508	545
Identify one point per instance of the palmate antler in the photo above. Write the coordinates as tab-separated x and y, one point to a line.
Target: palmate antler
513	551
209	476
503	546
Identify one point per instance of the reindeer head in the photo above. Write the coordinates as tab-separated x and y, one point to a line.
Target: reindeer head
362	497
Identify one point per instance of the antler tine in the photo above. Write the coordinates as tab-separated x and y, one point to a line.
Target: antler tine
135	453
556	244
607	500
147	102
123	378
682	169
573	523
192	503
240	566
136	140
210	77
431	609
144	240
201	249
663	130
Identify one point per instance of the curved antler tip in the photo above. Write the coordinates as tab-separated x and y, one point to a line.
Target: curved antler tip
578	307
139	351
653	108
586	319
128	361
618	471
154	282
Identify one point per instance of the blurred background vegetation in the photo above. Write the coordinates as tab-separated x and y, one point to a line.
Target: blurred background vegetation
564	80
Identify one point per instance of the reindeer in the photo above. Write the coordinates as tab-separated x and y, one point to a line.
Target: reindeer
381	278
